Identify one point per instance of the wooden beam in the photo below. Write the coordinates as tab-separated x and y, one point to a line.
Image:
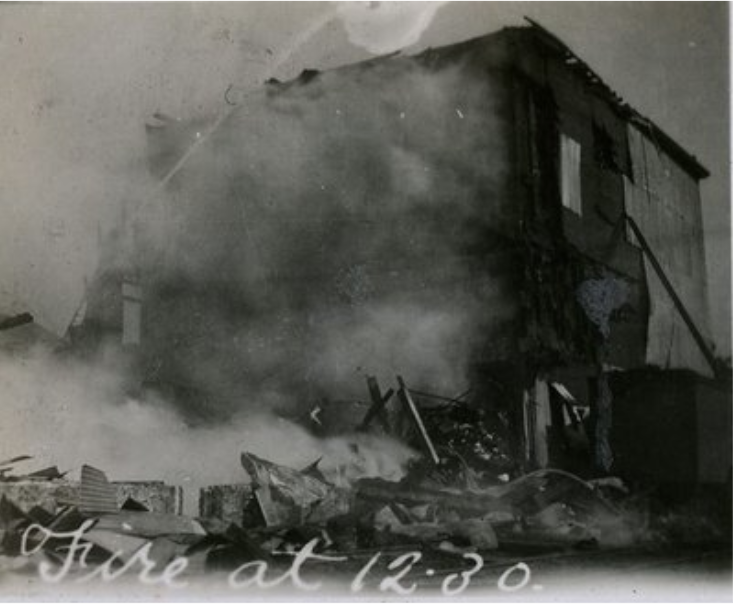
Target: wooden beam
407	401
378	408
694	331
379	490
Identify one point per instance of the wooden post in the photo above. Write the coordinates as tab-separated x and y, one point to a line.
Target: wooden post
414	412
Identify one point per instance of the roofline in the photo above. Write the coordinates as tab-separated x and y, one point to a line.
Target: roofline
642	123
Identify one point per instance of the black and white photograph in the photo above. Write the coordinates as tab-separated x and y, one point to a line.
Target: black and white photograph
365	301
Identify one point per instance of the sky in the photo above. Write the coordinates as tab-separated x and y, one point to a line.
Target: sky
80	80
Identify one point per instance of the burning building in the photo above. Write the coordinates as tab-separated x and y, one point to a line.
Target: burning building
487	218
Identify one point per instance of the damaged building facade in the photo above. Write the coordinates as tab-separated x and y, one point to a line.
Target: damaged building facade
487	218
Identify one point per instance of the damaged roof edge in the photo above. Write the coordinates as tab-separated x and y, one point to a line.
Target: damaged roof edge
659	137
645	125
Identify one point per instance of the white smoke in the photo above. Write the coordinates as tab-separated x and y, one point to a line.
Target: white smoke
68	413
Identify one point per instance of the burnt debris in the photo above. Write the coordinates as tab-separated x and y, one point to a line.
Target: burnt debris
460	495
491	220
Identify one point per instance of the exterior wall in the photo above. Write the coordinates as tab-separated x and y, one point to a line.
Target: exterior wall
664	200
622	170
714	421
672	427
588	119
653	421
552	100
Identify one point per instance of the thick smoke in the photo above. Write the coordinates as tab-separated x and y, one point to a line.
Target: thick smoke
81	83
329	228
65	412
320	234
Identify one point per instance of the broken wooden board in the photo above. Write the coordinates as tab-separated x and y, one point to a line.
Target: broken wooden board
470	504
149	524
408	403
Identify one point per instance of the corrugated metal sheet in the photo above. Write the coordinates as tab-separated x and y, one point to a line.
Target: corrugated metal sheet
97	495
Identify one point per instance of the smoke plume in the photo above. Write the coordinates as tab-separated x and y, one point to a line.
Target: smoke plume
66	412
328	229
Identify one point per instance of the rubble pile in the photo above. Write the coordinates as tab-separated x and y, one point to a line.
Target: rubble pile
89	518
282	509
50	489
447	502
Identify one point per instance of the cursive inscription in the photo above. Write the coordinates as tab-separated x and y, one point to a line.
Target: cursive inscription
400	574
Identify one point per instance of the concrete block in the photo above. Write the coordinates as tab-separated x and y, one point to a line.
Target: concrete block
154	494
225	502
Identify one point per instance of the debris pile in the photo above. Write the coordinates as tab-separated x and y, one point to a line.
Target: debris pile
51	489
462	495
92	527
456	498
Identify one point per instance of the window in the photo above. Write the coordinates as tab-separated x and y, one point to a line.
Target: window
570	174
604	150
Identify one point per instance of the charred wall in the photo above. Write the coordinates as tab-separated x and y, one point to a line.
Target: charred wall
567	247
